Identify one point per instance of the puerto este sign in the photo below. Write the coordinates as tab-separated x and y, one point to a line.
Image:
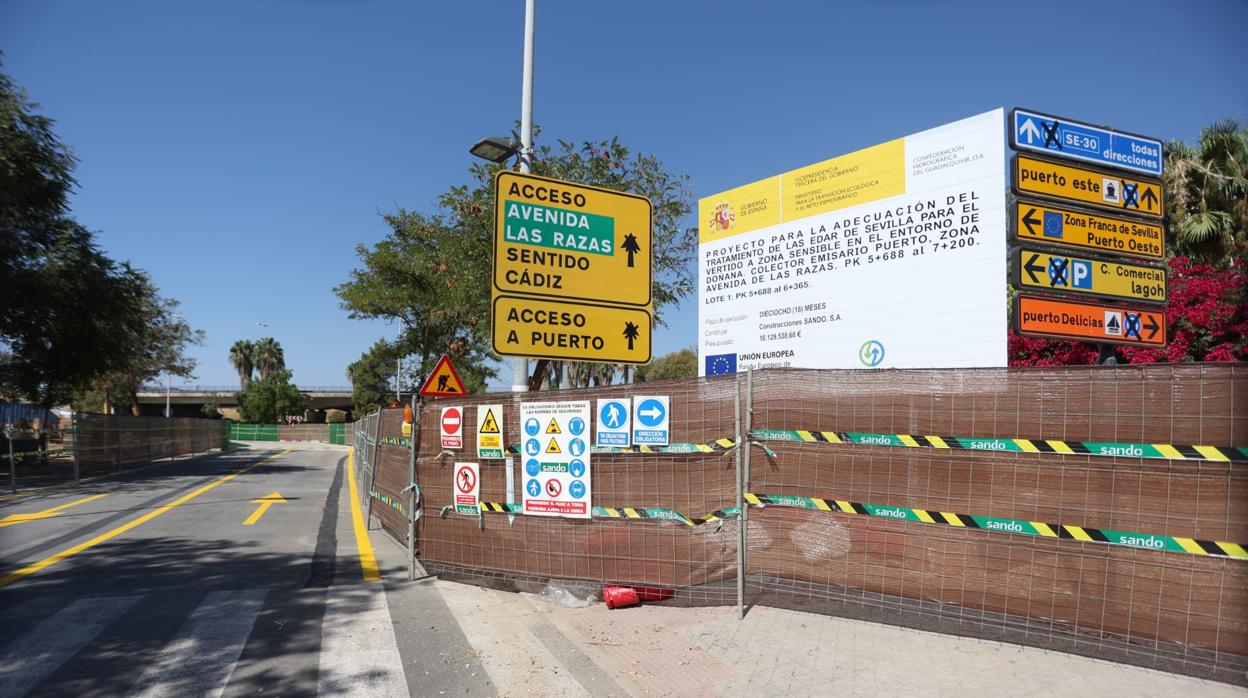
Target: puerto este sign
1081	185
1108	323
1040	270
572	242
551	329
1057	136
1055	225
895	248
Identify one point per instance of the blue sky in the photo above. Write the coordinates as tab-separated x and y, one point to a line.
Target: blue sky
239	151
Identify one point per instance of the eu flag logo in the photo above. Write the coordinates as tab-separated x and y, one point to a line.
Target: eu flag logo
721	364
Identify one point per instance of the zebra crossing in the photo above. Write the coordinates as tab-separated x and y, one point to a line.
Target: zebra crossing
357	656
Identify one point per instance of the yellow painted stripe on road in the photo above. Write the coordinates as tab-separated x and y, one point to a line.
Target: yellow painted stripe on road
368	562
12	519
47	562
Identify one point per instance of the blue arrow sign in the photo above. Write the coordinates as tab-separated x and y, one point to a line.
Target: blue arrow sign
1054	135
651	413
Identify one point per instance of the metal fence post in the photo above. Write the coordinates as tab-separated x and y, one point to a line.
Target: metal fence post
117	425
12	464
372	462
413	443
742	445
73	421
748	428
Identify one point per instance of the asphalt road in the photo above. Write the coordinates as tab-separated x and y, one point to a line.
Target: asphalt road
154	584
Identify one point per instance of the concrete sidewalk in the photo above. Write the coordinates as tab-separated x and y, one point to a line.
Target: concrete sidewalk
528	645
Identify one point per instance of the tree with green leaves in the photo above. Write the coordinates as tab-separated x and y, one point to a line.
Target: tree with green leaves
432	272
268	355
242	358
371	376
1207	193
271	398
72	321
679	364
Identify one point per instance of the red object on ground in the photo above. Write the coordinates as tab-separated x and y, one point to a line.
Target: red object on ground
622	597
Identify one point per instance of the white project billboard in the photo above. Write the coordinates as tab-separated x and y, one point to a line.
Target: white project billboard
889	257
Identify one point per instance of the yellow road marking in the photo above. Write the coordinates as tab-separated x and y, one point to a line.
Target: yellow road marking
368	563
265	502
18	574
12	519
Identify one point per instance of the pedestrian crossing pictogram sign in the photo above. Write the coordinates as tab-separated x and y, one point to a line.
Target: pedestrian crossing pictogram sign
490	431
443	381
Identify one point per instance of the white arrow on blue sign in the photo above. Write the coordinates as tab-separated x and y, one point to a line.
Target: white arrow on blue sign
1064	138
651	420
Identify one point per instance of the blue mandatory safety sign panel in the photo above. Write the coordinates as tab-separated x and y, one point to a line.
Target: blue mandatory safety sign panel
614	422
651	420
1054	135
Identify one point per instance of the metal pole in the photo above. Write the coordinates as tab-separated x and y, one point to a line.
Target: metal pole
167	396
73	417
740	507
745	457
117	423
398	368
520	366
413	444
12	463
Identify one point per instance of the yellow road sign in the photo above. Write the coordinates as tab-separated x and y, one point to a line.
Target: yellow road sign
1084	185
1054	225
563	240
1038	270
551	329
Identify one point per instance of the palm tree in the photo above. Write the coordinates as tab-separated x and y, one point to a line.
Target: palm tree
1207	190
242	358
269	356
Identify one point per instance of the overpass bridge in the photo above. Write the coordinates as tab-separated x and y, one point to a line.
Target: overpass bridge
189	400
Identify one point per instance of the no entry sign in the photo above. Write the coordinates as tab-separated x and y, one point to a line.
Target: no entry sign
452	427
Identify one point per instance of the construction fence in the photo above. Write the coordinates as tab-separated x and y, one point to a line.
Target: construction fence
1096	510
327	433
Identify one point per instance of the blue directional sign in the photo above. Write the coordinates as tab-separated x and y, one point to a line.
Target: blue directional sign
1054	135
651	420
614	422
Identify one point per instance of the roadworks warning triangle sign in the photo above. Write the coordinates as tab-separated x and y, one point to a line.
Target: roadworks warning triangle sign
489	425
553	447
443	381
553	427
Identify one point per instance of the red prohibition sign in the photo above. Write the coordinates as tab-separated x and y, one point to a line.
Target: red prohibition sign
554	488
451	422
465	480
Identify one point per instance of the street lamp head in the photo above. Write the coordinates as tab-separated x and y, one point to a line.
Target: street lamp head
495	148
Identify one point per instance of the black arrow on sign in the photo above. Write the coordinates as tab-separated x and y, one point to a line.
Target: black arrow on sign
631	247
1152	325
1029	222
1031	267
1150	198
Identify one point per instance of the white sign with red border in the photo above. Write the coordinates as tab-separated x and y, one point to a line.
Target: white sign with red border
467	489
451	427
554	453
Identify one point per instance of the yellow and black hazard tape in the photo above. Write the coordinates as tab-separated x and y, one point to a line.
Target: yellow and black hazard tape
1089	448
392	502
1146	541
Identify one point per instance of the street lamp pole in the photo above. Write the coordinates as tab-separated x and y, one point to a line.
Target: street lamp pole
520	366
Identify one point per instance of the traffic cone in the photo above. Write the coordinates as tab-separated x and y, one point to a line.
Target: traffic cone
619	597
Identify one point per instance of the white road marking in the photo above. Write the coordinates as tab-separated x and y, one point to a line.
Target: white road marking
33	657
200	658
359	653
